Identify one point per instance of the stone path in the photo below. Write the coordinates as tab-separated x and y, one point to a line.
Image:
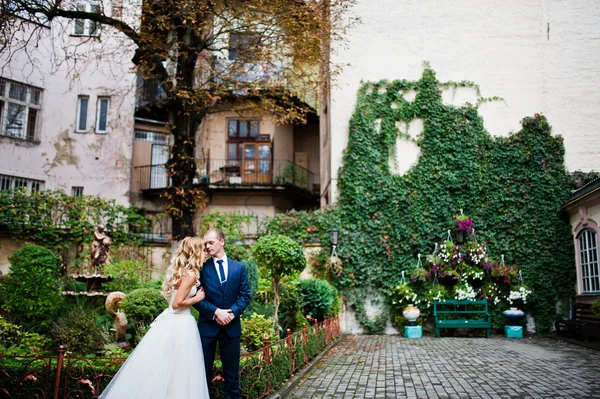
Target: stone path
390	367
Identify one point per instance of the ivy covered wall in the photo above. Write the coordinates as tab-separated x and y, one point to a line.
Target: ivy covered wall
512	187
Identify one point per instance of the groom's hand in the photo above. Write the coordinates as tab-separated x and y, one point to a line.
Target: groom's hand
223	316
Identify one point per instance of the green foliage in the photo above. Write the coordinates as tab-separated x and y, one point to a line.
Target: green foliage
127	275
77	331
255	330
30	291
143	305
319	298
278	256
290	311
513	188
303	226
596	307
253	277
57	220
234	225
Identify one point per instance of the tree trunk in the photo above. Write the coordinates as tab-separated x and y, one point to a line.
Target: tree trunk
185	118
182	196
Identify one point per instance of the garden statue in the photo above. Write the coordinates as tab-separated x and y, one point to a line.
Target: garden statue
100	248
113	302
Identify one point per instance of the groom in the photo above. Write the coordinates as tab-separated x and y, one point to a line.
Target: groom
227	296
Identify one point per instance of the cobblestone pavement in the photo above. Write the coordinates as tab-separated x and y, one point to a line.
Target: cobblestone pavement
395	367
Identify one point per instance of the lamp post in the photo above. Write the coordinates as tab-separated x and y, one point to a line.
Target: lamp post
334	234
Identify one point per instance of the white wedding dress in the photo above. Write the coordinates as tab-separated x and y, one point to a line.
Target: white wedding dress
167	363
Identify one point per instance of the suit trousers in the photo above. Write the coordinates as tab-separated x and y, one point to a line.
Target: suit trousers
229	350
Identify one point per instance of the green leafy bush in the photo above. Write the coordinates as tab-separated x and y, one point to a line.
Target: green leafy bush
253	276
290	311
30	291
278	256
596	307
320	299
143	305
255	330
126	275
78	332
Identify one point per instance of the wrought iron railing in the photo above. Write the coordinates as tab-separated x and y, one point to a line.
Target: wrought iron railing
260	171
237	171
262	372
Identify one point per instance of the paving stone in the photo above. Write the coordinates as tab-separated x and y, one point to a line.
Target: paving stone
382	367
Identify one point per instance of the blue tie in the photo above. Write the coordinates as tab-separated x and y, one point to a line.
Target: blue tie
221	270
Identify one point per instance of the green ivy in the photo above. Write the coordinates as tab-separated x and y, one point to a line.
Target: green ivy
56	220
512	187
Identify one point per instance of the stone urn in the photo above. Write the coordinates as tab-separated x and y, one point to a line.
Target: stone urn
513	314
411	313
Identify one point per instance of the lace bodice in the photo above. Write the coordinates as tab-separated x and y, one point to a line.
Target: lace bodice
189	295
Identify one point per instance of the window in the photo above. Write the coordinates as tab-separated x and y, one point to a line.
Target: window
20	105
76	191
238	132
102	114
241	44
12	182
85	27
154	137
82	113
588	261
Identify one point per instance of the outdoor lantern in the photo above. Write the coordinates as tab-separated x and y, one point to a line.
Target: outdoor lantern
334	234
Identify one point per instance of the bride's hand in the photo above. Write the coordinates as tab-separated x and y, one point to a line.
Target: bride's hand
200	295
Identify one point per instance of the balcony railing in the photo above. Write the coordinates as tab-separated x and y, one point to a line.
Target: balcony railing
227	172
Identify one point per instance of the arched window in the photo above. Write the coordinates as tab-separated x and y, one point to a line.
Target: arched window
588	261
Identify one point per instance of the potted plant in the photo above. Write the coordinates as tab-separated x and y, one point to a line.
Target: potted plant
464	225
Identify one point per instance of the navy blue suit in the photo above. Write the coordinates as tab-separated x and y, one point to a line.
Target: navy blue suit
234	294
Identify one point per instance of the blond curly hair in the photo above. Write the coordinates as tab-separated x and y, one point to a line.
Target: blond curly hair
190	257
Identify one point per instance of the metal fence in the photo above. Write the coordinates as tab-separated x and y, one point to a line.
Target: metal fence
262	372
256	171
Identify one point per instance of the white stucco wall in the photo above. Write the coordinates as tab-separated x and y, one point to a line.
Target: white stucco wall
541	57
66	67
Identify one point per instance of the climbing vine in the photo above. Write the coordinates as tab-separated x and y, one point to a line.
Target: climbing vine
513	188
56	220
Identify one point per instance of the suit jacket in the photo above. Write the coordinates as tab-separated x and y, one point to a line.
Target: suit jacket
234	294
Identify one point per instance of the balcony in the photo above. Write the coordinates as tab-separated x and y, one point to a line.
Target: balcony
232	175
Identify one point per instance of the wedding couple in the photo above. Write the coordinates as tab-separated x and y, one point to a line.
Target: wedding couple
175	358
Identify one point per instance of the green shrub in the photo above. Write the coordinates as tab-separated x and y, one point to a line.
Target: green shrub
290	311
596	307
320	299
30	291
126	275
77	331
143	305
255	330
253	276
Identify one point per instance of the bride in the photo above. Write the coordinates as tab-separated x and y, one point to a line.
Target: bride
168	362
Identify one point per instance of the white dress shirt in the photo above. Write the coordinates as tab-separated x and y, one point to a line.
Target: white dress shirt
225	266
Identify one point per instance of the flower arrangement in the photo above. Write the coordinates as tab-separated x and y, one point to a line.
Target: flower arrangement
505	274
464	291
518	293
464	223
420	274
404	295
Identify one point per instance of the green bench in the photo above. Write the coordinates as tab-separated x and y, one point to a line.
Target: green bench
461	314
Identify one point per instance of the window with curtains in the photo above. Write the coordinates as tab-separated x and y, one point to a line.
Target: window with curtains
20	107
588	261
239	131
